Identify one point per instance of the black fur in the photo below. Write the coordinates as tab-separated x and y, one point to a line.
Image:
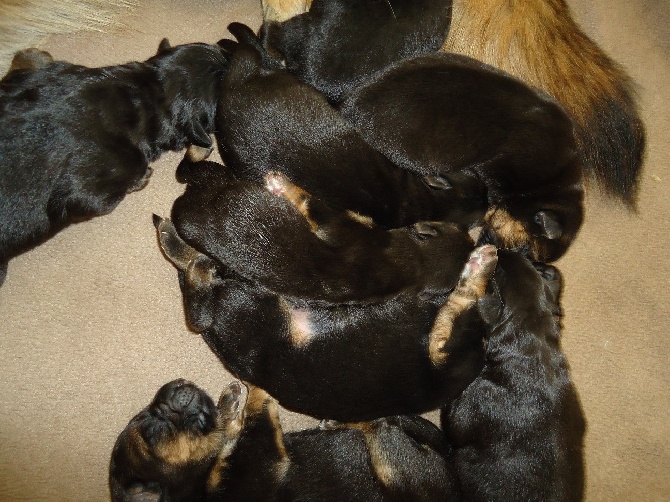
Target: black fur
348	363
339	44
517	431
249	459
443	113
75	140
270	121
264	238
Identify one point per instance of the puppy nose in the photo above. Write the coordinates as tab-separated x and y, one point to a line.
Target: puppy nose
183	398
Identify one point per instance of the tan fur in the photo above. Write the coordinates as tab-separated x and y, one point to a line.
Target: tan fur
360	218
281	10
510	230
24	24
281	186
300	331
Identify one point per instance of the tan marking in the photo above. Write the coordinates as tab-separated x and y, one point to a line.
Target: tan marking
510	230
362	219
278	184
300	330
260	402
471	287
282	10
197	153
186	447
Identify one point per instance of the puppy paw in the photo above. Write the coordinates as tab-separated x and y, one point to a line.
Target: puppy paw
142	182
471	287
478	269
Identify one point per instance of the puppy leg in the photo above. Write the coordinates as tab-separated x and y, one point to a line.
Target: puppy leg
407	458
30	59
471	287
3	272
174	248
282	10
278	184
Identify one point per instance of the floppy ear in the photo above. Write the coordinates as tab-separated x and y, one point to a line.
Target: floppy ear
163	46
551	228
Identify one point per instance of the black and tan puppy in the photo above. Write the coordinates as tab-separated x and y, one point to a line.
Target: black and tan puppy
75	140
339	44
270	121
441	113
349	363
183	448
281	237
537	41
517	431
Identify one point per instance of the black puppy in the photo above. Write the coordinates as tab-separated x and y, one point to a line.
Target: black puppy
183	448
443	113
75	140
293	244
517	430
347	362
270	121
339	44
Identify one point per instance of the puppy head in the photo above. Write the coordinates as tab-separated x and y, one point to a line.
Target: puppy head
191	75
167	450
523	293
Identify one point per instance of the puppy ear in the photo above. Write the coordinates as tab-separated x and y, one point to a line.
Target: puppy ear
551	227
163	46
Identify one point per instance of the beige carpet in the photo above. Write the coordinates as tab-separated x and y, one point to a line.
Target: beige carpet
91	323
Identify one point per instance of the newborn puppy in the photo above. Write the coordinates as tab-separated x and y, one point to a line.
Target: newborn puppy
517	431
75	140
443	113
182	448
347	362
293	244
539	42
339	44
270	121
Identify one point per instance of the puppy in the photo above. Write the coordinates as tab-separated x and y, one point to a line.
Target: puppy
270	121
442	113
517	431
539	42
75	140
338	45
536	41
349	363
183	448
293	244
